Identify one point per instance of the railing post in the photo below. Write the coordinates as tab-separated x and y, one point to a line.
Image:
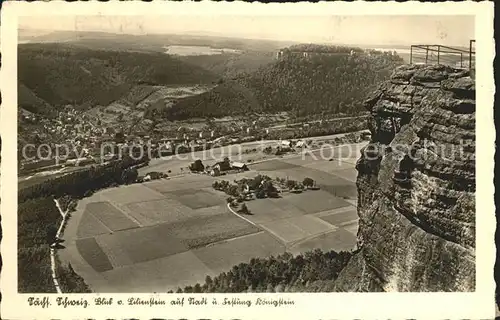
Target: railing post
439	49
426	54
411	54
470	55
461	60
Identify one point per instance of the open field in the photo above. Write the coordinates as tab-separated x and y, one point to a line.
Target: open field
110	216
352	227
173	232
340	239
295	229
93	254
344	217
179	164
239	250
90	226
131	193
238	152
330	182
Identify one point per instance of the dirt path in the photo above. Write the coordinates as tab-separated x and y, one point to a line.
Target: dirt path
53	251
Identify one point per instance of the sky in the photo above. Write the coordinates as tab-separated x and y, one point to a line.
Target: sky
370	30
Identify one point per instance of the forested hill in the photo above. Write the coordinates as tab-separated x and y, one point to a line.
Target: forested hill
319	83
329	83
60	74
231	65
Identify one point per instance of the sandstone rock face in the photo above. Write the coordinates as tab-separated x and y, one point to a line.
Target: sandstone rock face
416	185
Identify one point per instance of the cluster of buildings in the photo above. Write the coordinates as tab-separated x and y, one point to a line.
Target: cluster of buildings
69	123
87	140
225	166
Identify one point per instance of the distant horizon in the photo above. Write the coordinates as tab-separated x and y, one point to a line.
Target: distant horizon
367	45
359	30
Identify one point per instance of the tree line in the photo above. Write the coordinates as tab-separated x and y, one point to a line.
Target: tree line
38	221
82	183
311	47
315	130
312	271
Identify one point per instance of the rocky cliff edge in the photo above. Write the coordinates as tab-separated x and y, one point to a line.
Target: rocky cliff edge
416	185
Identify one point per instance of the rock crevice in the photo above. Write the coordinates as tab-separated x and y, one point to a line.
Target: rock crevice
416	185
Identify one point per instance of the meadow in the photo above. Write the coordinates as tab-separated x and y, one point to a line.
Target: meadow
164	234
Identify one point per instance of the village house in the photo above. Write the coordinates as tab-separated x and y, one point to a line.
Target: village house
239	166
221	166
300	144
286	143
215	171
366	135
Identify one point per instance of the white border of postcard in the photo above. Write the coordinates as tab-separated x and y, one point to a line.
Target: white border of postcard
477	305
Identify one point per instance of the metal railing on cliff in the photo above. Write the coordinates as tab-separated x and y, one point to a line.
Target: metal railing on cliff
439	54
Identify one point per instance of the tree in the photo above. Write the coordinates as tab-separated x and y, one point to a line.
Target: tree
51	234
197	288
260	194
129	176
197	166
308	182
233	191
291	184
208	280
225	164
269	189
254	183
244	209
210	123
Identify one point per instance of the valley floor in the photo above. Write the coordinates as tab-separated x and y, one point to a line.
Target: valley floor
164	234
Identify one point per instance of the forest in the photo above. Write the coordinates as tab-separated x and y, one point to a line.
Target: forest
38	221
229	65
313	271
61	74
325	84
311	47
